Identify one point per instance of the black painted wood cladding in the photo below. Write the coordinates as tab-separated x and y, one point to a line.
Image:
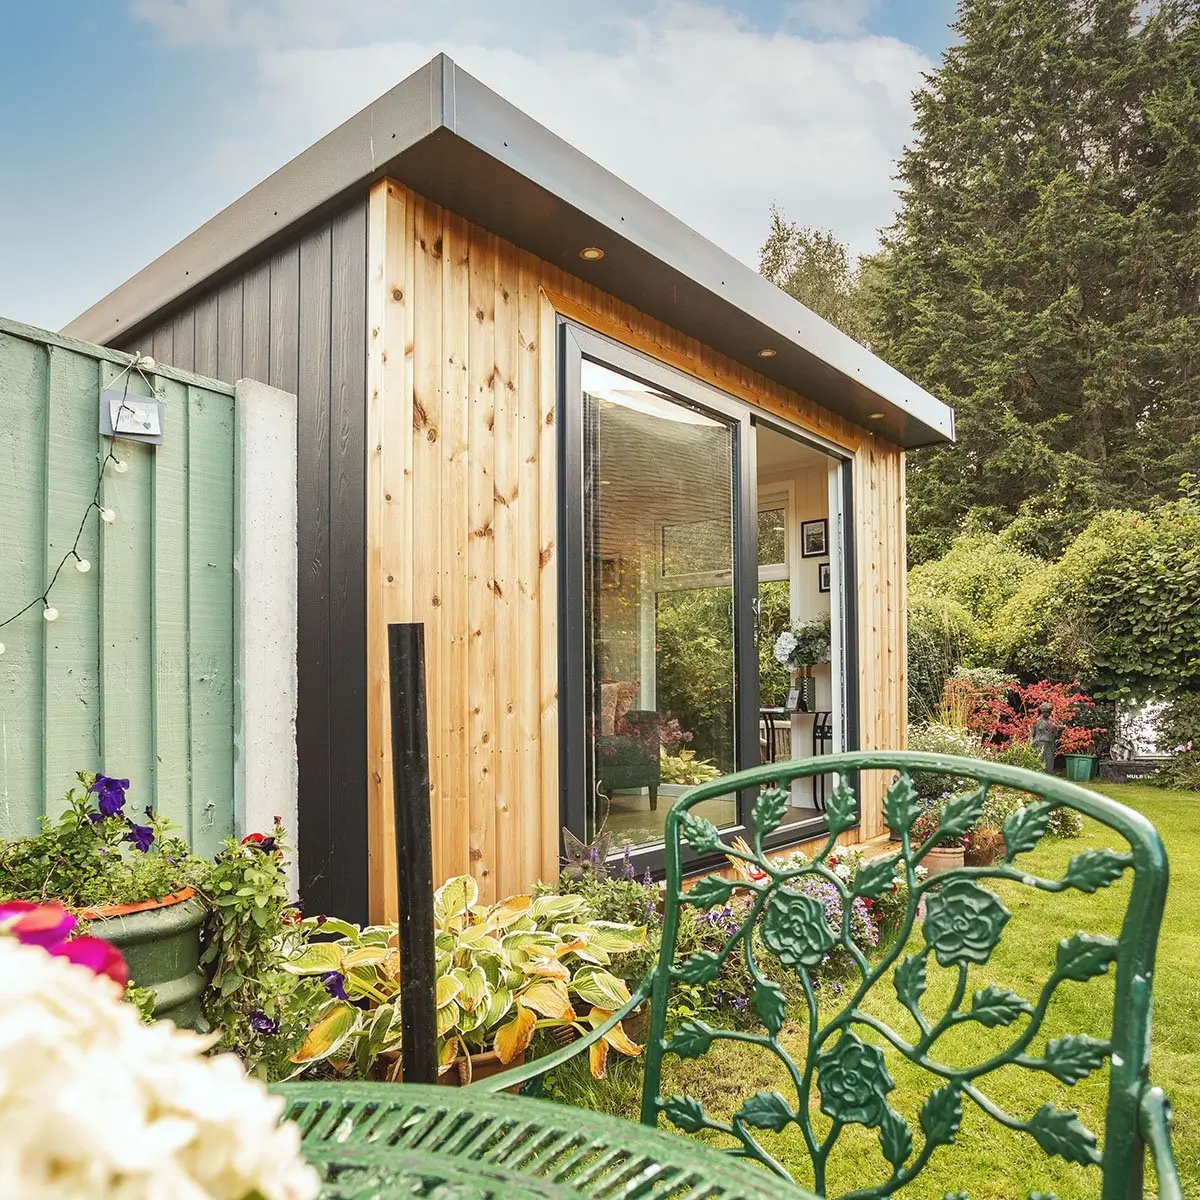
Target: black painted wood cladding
297	320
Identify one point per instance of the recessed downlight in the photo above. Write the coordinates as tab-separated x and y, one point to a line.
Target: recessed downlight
767	352
874	416
591	253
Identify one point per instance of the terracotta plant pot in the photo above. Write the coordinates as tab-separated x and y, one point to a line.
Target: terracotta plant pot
480	1066
942	858
457	1074
160	942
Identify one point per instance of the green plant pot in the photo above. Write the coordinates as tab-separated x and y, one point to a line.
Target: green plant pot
161	948
1080	767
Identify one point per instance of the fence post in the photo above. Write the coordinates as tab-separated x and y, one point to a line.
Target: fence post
414	852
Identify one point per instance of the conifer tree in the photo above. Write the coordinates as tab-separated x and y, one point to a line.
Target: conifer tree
1043	273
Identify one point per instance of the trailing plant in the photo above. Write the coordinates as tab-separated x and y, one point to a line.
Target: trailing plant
503	972
94	854
260	1009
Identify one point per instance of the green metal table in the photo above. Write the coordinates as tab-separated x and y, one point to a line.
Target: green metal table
378	1141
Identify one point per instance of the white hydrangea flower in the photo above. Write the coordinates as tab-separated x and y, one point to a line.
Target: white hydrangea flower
785	643
94	1105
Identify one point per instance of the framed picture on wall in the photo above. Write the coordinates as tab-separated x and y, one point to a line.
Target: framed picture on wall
822	577
814	538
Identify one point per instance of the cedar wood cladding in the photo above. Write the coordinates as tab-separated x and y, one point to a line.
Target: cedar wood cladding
297	320
462	530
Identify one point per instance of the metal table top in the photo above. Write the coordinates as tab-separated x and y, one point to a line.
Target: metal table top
384	1140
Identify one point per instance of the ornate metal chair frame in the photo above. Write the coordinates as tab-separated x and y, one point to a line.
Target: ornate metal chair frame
963	922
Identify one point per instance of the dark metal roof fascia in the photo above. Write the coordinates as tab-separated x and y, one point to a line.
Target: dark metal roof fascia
456	141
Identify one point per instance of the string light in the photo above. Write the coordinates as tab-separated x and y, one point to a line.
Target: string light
141	363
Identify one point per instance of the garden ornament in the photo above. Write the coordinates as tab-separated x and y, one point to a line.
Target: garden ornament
1044	737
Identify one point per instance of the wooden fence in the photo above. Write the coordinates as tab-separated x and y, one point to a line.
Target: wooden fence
136	676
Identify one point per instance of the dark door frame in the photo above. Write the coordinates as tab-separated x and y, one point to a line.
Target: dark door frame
573	344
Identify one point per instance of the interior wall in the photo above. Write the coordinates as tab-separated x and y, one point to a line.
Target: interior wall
462	525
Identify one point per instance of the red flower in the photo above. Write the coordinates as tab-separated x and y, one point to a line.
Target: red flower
261	841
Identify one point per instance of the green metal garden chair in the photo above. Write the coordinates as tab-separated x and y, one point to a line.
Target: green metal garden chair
840	1064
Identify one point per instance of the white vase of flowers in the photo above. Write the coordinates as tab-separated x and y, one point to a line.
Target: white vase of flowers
800	649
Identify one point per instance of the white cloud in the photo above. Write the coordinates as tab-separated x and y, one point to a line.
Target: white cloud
837	18
710	117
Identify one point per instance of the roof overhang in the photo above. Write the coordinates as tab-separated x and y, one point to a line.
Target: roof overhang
453	140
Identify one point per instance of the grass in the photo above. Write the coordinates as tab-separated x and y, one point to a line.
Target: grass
988	1161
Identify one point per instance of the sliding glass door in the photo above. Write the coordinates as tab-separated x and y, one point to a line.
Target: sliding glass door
659	589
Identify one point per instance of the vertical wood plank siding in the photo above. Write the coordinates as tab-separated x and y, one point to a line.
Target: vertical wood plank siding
135	677
461	520
297	320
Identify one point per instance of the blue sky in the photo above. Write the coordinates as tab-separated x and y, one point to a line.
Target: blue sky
130	122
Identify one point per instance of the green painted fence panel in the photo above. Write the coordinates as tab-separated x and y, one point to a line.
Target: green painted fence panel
136	676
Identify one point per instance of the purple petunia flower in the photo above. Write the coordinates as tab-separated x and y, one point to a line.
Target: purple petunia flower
110	795
261	1023
335	984
740	1002
142	836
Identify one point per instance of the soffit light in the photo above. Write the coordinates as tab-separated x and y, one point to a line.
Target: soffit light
591	253
874	416
767	352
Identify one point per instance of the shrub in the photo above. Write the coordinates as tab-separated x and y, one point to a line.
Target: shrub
934	738
1180	772
1179	722
1014	719
1016	754
939	636
1065	823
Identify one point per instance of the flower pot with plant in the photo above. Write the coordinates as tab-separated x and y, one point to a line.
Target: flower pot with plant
801	648
503	972
133	883
949	851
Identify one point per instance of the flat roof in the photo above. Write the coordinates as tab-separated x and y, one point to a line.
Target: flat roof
455	141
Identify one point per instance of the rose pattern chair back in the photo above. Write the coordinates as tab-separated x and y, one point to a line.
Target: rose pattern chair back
838	1061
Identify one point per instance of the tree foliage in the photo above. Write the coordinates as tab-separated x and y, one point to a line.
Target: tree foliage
814	267
1119	609
1043	273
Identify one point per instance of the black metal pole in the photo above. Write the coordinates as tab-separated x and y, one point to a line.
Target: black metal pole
414	851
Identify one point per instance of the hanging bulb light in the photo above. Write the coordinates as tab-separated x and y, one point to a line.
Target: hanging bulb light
1	647
82	565
50	612
107	515
120	466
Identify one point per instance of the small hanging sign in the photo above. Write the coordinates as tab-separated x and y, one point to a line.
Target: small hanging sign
133	418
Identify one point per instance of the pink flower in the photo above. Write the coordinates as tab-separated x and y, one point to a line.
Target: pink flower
50	926
36	924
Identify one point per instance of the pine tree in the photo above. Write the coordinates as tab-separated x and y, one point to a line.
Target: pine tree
1043	274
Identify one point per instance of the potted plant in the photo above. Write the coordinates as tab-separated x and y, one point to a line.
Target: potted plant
132	883
503	972
800	649
1075	743
949	851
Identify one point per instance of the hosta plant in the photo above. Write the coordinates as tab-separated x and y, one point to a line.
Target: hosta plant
504	971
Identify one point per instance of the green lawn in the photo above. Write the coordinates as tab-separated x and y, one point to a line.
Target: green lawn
988	1161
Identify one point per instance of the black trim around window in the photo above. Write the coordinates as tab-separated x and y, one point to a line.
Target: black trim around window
574	343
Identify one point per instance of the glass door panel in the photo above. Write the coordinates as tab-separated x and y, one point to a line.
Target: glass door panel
658	555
